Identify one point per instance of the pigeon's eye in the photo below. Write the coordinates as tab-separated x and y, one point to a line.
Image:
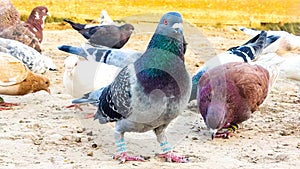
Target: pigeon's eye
165	22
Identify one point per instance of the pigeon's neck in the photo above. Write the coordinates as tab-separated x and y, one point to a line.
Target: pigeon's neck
167	44
37	23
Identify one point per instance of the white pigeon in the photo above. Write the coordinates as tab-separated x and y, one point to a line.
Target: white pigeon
35	61
286	43
83	76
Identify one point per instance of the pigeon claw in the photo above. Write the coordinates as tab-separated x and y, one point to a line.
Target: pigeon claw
172	157
123	157
90	115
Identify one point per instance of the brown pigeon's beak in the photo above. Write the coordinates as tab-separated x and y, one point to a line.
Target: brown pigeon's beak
48	90
48	14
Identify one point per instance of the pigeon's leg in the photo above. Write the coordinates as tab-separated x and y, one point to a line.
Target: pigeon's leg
122	155
76	106
166	147
7	106
230	129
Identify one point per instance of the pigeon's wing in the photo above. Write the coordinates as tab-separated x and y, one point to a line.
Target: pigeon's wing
253	85
30	57
12	71
115	100
106	35
20	33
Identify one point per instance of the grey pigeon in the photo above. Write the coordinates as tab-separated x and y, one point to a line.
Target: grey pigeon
228	94
112	36
149	93
9	16
31	31
116	57
244	53
35	61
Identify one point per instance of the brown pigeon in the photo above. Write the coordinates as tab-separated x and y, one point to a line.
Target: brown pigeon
17	79
105	35
30	32
229	93
9	16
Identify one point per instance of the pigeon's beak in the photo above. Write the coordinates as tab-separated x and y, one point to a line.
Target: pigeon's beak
48	14
213	133
178	27
48	90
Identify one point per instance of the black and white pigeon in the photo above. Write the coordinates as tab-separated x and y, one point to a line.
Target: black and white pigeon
116	57
29	32
149	93
9	16
244	53
35	61
112	36
286	43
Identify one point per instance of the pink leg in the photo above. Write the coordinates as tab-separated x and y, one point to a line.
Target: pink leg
76	106
7	106
171	157
123	157
88	116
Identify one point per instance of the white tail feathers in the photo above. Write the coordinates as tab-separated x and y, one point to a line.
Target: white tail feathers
105	18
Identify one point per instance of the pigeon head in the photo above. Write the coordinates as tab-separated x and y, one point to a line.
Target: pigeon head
38	15
127	27
40	83
171	25
215	117
168	36
70	63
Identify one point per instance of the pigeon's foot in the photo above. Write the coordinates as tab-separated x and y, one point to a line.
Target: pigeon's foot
171	157
90	115
7	106
76	106
123	157
229	130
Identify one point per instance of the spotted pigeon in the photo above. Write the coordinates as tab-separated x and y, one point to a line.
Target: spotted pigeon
151	92
31	31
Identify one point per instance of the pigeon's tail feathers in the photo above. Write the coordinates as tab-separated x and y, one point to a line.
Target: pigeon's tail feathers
105	18
73	49
76	26
260	43
195	81
251	49
85	99
271	39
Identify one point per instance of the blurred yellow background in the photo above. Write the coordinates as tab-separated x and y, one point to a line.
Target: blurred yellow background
251	12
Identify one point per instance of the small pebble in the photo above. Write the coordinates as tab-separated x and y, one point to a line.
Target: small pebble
78	139
90	153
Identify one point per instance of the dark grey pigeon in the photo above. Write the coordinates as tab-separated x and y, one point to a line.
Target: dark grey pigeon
149	93
105	35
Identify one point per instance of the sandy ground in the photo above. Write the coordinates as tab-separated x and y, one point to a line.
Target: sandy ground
42	133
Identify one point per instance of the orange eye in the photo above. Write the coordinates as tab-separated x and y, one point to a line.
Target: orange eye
165	22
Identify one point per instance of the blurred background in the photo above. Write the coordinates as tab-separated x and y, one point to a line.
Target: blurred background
267	14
